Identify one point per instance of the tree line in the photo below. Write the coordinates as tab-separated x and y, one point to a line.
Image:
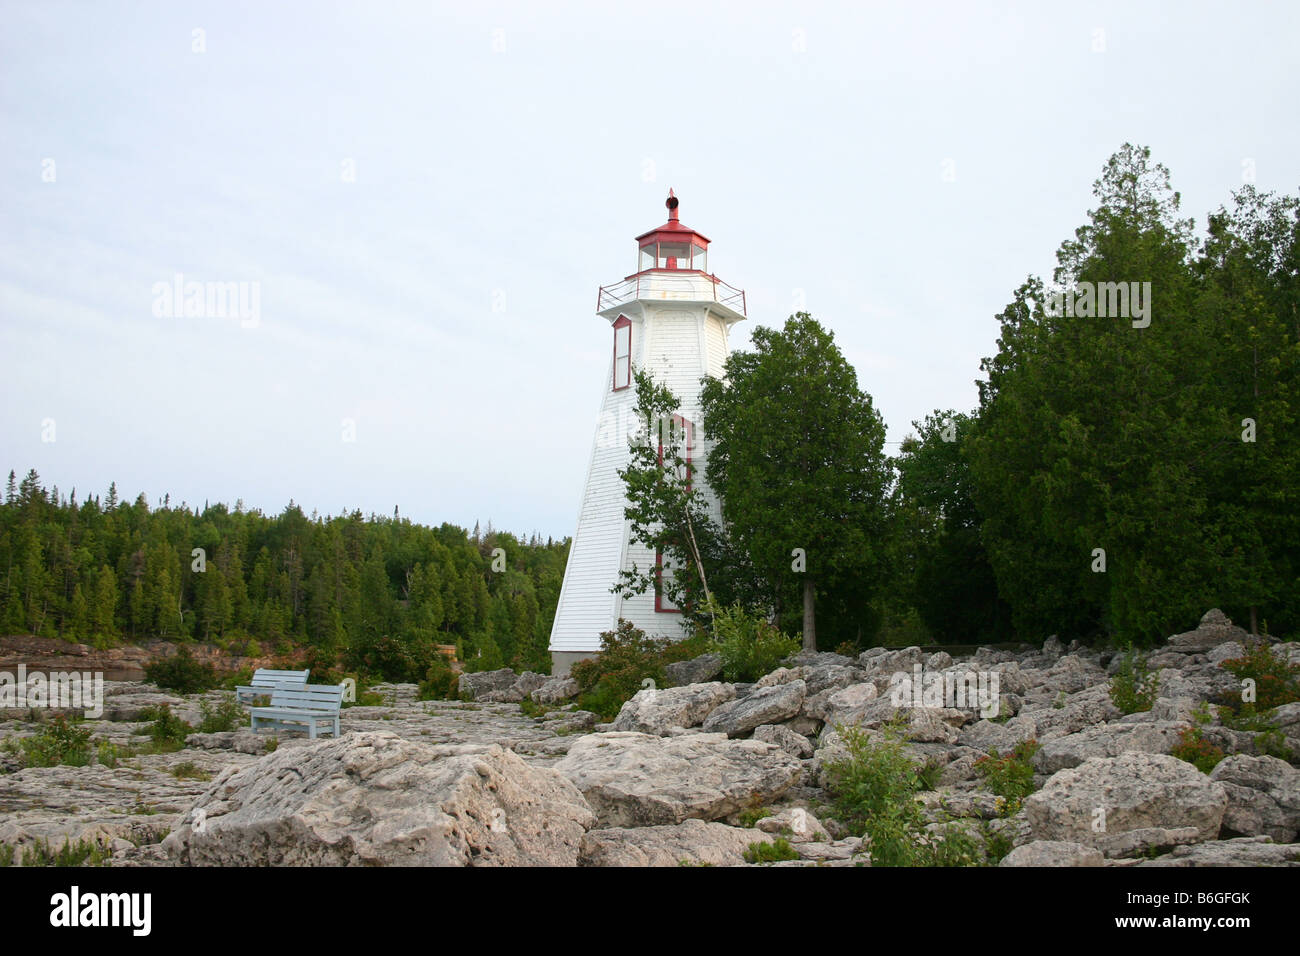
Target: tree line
373	594
1133	460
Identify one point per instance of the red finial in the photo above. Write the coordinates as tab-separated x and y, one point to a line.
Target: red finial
671	203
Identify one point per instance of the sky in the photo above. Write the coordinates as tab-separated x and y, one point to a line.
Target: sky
419	201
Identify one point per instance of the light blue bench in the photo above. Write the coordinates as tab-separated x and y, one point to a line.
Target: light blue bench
308	708
265	681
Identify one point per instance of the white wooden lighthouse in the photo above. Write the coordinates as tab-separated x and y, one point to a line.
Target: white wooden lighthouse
671	317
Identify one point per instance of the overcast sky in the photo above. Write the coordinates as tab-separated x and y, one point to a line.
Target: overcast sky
427	196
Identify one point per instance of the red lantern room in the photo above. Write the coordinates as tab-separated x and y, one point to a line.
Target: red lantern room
673	245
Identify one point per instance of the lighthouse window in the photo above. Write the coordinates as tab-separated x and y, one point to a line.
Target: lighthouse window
674	255
663	604
699	258
647	259
622	352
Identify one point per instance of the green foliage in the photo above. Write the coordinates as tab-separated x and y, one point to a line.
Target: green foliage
6	854
873	793
80	853
1196	750
181	673
61	742
108	754
798	459
440	681
226	715
750	645
629	660
189	770
1133	688
1277	681
168	730
1010	777
749	818
779	849
336	588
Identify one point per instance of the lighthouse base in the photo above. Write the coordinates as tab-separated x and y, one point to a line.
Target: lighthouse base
562	661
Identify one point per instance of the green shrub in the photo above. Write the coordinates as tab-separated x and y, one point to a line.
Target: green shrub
168	731
1277	681
749	818
1010	777
873	793
59	742
108	754
1133	687
1196	750
224	716
628	658
81	853
750	646
778	849
181	673
189	770
440	682
6	854
389	658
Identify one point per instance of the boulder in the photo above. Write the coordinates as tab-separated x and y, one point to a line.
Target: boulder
795	823
1053	853
1215	629
1263	797
844	705
695	671
657	710
1108	740
796	745
1133	791
766	705
1246	851
485	682
374	799
519	689
691	842
633	779
556	690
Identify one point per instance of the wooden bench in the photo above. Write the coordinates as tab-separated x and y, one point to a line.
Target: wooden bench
306	708
265	681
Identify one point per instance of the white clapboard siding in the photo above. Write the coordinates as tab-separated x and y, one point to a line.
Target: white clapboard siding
679	343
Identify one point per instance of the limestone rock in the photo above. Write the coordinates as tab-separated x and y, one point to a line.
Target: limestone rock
635	779
376	799
656	710
1263	797
797	745
691	842
1247	851
695	671
1107	740
1215	629
1132	791
766	705
1053	853
555	690
485	682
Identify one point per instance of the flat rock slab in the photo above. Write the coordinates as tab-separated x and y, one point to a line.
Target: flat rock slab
376	799
659	710
637	780
690	843
765	705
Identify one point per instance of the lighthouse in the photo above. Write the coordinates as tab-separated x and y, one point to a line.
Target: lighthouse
671	318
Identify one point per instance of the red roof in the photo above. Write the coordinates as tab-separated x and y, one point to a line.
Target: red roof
672	230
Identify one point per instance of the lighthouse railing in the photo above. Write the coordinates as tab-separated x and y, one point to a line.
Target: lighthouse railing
686	287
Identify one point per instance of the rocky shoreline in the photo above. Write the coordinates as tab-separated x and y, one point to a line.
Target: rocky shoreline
693	774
